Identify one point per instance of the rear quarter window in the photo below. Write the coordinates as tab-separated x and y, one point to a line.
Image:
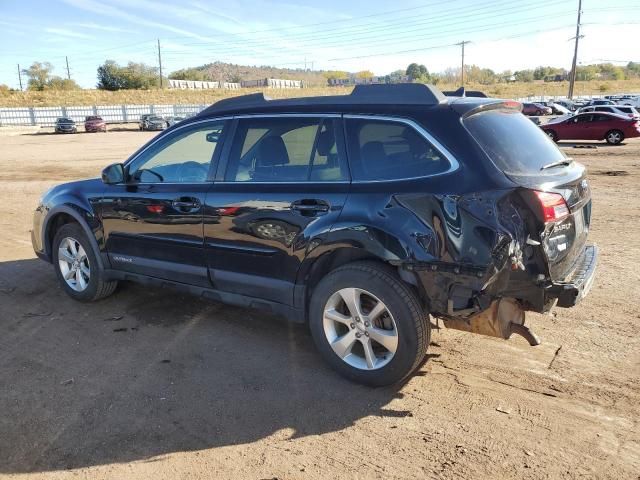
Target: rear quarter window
513	143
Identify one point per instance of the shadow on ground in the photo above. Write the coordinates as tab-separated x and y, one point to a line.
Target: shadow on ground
150	372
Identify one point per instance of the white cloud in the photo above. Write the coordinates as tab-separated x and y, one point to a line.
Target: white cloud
67	33
97	26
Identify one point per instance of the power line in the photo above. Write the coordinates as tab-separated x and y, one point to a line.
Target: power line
413	50
575	52
373	32
402	39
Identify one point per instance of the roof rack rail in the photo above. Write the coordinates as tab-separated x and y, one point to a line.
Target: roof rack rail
380	94
462	92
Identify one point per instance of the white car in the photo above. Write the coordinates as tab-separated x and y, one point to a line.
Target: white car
633	101
625	110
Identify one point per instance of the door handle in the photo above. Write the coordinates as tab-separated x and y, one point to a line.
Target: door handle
186	204
310	207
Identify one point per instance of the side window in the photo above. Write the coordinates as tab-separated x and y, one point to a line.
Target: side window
390	150
184	157
284	149
583	118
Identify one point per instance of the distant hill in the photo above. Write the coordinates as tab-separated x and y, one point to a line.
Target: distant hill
229	72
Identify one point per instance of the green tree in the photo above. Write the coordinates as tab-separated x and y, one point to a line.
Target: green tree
524	76
112	76
58	83
190	74
417	72
38	74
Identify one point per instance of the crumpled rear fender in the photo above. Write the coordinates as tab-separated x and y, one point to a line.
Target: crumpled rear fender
468	247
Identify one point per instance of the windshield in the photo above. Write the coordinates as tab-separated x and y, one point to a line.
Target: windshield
514	144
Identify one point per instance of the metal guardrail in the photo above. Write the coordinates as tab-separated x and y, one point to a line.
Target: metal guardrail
46	116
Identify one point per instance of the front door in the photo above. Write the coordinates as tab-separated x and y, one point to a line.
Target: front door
153	224
285	184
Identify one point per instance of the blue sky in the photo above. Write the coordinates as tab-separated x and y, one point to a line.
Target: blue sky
377	35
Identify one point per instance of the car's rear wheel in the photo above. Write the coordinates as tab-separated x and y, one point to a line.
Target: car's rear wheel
368	324
614	137
552	135
77	266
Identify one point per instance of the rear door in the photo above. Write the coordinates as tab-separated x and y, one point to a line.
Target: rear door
153	224
283	184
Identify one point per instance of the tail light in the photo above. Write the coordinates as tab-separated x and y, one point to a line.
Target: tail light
553	206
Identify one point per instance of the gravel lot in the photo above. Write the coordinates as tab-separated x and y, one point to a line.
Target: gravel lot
154	384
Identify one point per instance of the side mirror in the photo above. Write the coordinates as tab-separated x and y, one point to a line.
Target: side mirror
113	174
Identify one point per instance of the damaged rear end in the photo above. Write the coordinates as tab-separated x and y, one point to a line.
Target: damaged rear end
528	244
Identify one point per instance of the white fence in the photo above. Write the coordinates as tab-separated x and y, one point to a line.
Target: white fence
197	85
263	82
46	116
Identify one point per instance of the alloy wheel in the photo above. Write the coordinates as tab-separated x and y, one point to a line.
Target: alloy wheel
74	264
360	329
614	137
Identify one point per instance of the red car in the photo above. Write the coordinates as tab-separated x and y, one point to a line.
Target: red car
94	123
536	109
593	126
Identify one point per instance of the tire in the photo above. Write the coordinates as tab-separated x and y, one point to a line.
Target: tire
403	316
96	288
614	137
552	135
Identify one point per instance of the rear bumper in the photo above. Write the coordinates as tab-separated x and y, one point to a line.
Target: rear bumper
578	284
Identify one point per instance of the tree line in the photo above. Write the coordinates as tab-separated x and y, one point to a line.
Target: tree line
112	76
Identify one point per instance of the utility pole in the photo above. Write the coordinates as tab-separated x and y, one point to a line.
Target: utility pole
572	80
68	72
20	77
462	44
160	63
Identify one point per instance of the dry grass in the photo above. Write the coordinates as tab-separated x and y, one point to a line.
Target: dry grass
167	97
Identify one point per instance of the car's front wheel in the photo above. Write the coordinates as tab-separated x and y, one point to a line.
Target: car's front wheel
77	266
614	137
368	324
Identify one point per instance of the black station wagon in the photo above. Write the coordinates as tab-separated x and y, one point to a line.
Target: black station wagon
364	215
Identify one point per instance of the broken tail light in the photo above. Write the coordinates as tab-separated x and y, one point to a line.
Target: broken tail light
553	206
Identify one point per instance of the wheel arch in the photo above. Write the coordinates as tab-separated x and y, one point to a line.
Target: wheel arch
312	271
62	215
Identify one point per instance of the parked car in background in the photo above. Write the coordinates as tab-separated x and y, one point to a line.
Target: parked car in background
65	125
156	123
593	126
535	109
624	110
599	101
171	121
558	109
566	103
94	123
631	100
336	212
143	120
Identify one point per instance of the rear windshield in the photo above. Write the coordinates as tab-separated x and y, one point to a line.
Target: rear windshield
514	143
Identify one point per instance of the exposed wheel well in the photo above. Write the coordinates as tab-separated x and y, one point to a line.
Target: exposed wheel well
54	225
332	260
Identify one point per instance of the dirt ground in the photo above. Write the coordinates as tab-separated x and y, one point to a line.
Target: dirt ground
155	384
